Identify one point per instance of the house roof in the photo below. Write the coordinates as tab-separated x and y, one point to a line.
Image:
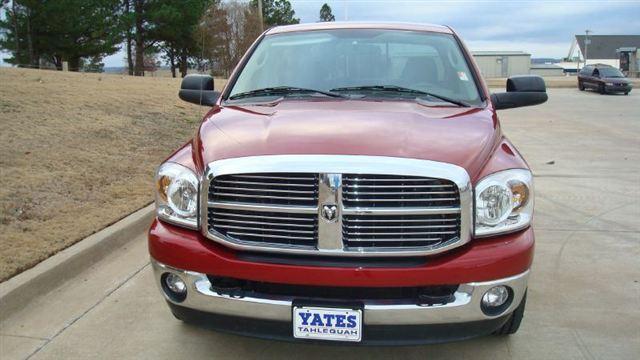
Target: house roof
605	46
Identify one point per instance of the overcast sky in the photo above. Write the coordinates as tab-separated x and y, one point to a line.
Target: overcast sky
544	28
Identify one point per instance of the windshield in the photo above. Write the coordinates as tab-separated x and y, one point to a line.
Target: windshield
610	72
361	59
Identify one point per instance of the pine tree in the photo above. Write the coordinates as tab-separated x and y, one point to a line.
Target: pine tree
325	13
277	12
61	30
173	25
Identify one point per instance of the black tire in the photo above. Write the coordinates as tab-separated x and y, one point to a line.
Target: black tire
601	89
513	324
580	86
626	93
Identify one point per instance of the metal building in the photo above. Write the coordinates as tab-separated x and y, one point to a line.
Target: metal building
546	70
502	64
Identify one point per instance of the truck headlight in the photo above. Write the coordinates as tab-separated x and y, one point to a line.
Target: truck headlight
177	195
504	202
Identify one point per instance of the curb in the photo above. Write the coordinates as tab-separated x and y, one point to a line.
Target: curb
16	292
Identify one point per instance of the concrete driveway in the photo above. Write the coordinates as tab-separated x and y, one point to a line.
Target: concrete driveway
584	292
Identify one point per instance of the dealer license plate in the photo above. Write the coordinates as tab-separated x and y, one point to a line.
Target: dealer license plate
323	323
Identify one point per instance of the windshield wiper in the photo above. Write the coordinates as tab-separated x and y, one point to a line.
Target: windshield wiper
283	90
400	89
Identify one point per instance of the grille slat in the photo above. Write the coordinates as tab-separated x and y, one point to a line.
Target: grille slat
254	196
265	190
382	178
360	220
263	229
215	219
292	209
394	240
358	186
401	233
402	199
272	177
356	193
263	183
400	227
257	235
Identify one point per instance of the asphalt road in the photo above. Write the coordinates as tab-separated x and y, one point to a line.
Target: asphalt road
584	291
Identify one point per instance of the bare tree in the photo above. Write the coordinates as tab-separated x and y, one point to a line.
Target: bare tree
228	30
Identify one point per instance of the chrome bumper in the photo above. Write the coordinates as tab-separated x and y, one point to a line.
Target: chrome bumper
465	307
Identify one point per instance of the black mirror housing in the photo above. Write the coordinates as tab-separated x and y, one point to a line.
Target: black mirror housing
198	89
522	90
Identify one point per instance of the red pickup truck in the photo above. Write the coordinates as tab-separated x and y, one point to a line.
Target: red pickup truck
351	183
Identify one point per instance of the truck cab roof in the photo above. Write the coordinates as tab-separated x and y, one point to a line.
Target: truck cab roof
360	25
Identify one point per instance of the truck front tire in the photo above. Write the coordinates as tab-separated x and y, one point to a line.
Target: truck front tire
513	324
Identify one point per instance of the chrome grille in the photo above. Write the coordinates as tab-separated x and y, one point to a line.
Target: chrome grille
266	188
337	205
265	227
397	191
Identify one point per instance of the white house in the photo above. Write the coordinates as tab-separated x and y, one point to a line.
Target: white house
600	49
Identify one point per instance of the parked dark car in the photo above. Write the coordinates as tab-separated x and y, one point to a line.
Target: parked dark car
604	79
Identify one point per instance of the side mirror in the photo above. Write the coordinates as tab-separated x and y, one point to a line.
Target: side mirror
523	90
198	89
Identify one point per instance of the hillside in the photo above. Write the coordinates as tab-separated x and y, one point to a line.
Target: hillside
78	153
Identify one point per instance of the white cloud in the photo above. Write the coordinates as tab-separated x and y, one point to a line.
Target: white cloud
543	28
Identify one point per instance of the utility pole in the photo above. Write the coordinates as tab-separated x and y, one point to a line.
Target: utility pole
346	10
260	15
587	41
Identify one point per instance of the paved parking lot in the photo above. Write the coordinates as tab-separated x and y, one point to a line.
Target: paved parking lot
584	292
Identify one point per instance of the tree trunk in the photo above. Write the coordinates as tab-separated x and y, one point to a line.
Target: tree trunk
129	53
74	64
139	66
172	62
32	60
17	35
129	38
183	63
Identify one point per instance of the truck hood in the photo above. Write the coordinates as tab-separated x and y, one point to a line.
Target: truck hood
461	136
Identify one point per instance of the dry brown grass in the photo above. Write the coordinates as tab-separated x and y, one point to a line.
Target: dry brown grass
78	152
